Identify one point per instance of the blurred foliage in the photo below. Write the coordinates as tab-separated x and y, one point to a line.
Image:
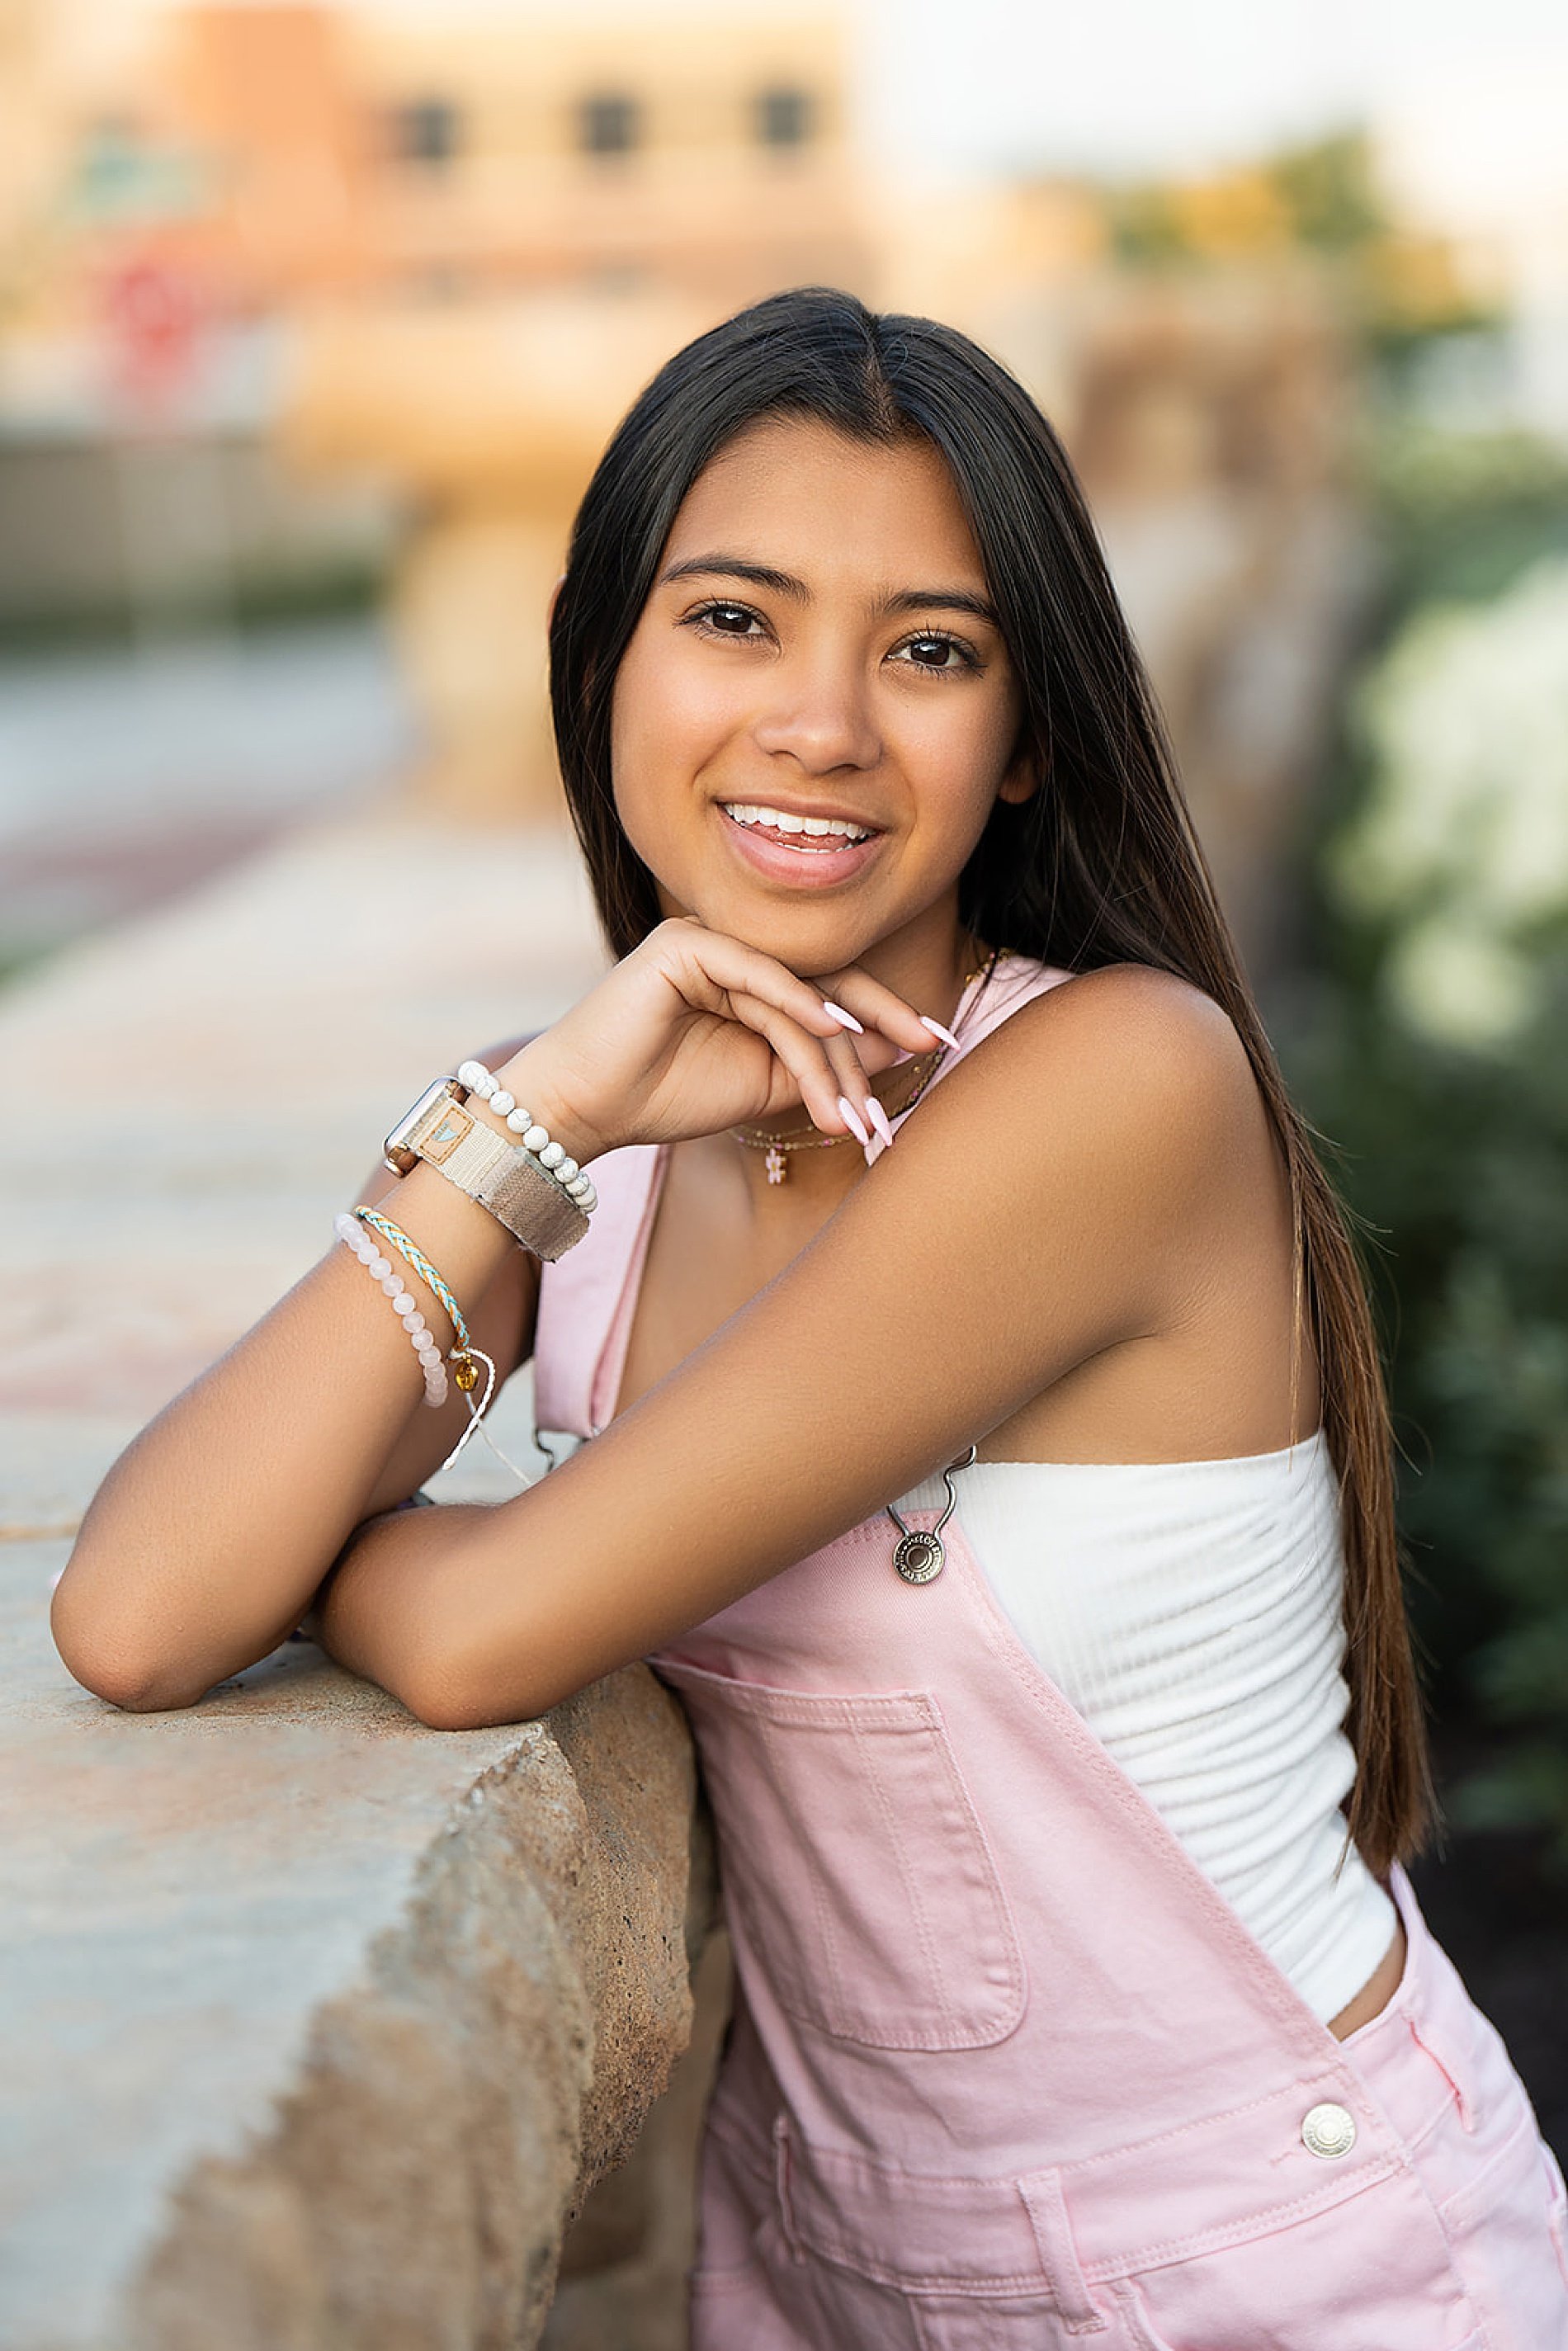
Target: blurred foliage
1456	1162
1461	516
1452	1138
1321	201
1330	193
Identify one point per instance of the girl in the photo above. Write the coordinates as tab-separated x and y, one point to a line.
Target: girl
1005	1484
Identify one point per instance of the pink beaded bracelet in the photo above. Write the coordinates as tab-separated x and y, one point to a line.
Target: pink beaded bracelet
353	1236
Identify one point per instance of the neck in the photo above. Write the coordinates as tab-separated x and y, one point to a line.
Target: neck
927	962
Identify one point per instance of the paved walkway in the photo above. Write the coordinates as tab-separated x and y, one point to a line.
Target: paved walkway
130	774
209	1084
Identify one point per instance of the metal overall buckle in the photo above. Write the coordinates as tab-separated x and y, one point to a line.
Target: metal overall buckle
920	1555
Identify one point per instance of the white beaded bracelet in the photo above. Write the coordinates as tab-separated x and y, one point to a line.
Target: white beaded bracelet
574	1181
353	1236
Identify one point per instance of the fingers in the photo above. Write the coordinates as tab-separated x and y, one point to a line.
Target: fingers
848	1002
878	1008
713	963
828	1070
853	1089
815	1063
828	1034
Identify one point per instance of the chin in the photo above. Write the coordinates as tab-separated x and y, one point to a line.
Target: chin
806	939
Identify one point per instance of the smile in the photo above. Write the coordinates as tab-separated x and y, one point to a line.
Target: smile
811	834
787	845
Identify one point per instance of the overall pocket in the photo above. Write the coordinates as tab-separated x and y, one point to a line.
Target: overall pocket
1375	2272
859	1880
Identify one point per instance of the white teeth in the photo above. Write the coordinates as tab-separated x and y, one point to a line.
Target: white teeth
782	820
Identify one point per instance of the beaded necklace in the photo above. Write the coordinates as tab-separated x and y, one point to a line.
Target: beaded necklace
757	1138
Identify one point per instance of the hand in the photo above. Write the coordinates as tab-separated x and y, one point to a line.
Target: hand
693	1033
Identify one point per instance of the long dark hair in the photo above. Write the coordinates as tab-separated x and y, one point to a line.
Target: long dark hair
1100	866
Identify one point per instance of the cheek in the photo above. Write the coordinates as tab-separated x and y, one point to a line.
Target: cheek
666	701
955	749
667	722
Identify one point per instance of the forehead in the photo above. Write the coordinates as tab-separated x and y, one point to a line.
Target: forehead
795	493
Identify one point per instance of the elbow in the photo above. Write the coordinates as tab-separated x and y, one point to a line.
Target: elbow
119	1682
442	1704
449	1692
436	1714
120	1671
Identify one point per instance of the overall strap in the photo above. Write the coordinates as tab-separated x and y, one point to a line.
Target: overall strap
586	1296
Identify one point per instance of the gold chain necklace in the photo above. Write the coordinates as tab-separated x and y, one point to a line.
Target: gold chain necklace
757	1138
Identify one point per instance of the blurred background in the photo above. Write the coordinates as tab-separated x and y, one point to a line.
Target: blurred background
313	318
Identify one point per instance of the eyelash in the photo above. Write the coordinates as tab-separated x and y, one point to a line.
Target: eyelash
971	662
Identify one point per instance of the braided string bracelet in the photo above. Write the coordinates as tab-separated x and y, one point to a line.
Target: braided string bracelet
403	1304
414	1256
464	1358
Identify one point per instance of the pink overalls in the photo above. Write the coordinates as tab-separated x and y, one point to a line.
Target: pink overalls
1006	2072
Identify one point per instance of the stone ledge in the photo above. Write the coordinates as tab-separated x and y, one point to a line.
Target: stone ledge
319	2025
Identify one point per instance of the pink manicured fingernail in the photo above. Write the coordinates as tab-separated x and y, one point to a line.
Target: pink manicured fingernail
853	1121
878	1117
937	1030
848	1018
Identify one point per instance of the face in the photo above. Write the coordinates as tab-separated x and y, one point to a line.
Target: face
816	712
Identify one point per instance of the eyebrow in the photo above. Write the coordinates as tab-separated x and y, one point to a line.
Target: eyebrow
784	583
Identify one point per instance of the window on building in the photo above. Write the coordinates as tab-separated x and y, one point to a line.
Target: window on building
608	124
428	131
110	164
783	117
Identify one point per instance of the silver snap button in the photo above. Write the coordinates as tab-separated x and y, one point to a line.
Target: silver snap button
1328	2130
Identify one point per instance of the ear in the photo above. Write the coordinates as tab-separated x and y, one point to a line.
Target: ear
1025	774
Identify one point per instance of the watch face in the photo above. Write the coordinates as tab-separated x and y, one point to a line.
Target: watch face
395	1153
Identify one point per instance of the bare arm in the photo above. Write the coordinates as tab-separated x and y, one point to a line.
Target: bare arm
206	1542
211	1534
1062	1192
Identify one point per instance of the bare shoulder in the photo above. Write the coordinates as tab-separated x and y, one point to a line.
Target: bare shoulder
1083	1171
1127	1061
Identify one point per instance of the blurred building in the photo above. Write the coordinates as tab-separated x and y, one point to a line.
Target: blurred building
391	276
276	153
430	256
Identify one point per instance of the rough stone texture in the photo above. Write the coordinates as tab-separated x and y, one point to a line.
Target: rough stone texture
625	2262
315	2025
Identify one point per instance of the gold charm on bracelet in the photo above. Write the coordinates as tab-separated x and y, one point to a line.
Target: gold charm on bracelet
465	1371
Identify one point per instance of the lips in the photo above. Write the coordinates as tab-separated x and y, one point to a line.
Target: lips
804	859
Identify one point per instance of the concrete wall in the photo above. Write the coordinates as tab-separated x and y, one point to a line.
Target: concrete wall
317	2025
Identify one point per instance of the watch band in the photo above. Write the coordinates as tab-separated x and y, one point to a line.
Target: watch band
502	1176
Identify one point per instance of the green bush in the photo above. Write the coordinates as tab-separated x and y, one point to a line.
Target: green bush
1458	1163
1434	1057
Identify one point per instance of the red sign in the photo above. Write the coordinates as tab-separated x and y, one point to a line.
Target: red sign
152	322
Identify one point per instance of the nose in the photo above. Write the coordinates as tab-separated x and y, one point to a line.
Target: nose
819	715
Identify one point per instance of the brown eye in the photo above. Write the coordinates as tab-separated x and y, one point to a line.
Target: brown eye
941	655
729	620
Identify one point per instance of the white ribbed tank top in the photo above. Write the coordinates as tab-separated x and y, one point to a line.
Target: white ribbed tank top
1190	1611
